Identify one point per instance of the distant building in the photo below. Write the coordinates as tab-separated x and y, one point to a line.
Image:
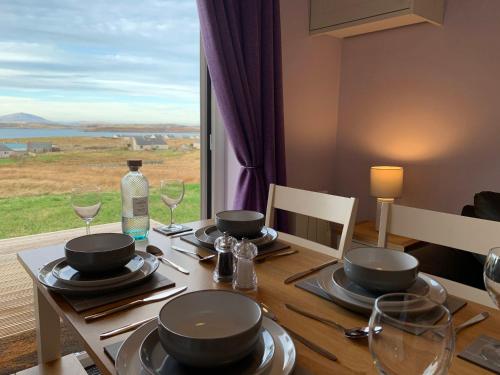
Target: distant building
5	152
19	148
39	147
148	142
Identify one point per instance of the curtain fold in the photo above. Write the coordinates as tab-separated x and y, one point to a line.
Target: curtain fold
242	43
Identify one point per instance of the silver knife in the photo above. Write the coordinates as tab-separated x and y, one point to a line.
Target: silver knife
138	302
128	327
176	266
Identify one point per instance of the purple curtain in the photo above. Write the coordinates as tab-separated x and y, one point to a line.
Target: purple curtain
242	42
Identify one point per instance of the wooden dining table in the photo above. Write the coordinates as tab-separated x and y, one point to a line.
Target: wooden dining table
353	356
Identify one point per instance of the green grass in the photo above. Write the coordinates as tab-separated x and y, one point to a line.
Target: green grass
46	213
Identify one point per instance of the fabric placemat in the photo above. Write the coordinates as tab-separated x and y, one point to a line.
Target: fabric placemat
311	285
477	353
112	352
155	282
275	246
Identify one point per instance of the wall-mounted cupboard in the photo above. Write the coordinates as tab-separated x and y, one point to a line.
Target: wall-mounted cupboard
344	18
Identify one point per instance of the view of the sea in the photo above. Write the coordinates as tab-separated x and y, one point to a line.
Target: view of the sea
10	133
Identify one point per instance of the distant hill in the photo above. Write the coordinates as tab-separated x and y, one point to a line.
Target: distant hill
23	118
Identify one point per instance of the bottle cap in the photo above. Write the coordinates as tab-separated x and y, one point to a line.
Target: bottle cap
134	163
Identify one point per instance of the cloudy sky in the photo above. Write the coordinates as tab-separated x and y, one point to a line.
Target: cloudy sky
100	60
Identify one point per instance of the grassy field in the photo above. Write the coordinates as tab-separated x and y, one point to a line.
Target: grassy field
34	190
46	213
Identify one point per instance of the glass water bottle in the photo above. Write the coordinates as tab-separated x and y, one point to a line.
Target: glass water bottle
135	205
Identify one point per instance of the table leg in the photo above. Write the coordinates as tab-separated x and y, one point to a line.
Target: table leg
48	328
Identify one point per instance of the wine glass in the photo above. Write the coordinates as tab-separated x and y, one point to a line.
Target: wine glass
417	336
491	276
86	202
172	193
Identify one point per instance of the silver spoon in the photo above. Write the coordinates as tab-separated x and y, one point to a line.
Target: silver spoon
151	249
193	254
352	333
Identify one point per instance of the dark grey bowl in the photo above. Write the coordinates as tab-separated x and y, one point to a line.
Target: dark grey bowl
381	270
210	328
240	223
101	252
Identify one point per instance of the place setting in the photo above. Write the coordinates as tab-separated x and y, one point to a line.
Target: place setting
209	332
239	224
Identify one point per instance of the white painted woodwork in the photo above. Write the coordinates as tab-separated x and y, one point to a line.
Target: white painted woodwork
48	329
344	18
327	207
459	232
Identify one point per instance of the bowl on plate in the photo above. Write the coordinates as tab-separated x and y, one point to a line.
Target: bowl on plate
210	328
381	270
240	223
102	252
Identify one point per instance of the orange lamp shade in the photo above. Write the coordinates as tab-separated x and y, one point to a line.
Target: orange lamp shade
386	182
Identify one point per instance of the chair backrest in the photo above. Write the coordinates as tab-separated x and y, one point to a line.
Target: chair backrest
459	232
322	206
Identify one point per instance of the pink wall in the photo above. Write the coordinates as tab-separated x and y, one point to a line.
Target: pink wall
311	72
426	98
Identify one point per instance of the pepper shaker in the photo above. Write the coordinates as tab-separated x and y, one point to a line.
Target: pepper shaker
224	246
245	277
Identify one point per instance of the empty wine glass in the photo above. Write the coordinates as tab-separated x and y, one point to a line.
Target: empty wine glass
86	202
417	335
491	277
172	193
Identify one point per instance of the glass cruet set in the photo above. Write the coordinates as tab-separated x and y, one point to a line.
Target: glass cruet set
235	262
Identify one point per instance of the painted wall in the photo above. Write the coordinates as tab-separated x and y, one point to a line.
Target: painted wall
311	74
427	98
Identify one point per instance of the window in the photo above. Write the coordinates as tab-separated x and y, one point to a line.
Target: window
84	86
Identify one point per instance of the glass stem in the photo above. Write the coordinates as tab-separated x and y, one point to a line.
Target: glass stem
171	216
87	225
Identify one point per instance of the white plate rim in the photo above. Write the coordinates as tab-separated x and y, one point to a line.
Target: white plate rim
150	261
283	362
97	282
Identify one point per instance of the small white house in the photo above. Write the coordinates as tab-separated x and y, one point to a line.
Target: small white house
5	152
148	142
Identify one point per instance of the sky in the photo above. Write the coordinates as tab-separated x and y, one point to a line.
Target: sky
123	61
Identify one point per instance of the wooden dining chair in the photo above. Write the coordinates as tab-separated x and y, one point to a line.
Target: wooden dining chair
459	232
331	208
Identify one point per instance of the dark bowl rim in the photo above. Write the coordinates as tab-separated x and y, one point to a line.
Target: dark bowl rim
261	216
347	260
258	323
131	242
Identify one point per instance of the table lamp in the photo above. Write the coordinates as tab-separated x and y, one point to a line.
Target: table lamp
386	184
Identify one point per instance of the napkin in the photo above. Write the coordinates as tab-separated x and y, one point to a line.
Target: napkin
477	352
155	282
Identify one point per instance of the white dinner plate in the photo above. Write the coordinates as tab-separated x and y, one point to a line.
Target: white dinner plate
283	362
437	292
47	278
156	361
68	275
208	235
340	279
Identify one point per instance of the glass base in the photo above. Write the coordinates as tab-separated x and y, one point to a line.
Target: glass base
171	228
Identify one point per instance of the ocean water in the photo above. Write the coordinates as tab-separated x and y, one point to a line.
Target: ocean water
10	133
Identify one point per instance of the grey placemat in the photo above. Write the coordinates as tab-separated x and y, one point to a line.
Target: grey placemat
311	285
155	282
275	246
475	353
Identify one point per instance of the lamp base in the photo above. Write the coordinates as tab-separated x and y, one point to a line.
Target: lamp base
379	208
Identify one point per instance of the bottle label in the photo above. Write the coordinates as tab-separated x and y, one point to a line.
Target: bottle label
140	206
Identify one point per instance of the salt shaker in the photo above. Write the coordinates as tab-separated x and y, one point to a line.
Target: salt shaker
245	277
224	246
